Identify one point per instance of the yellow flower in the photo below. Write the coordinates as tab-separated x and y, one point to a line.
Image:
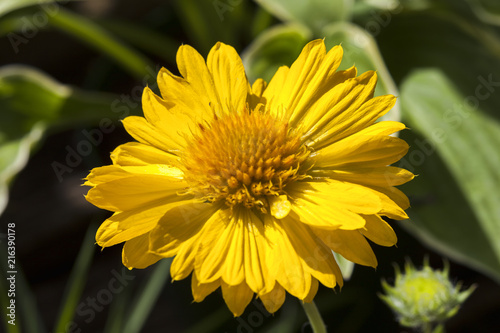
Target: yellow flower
252	187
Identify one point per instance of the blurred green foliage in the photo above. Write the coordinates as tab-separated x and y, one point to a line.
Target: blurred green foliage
441	58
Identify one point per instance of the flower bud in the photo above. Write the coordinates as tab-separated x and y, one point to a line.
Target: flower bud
425	297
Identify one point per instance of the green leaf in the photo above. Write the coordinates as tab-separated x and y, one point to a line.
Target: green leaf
77	280
370	6
486	10
314	14
207	22
466	139
276	47
25	23
360	49
117	312
14	154
346	266
154	42
464	51
211	322
95	36
30	102
151	290
7	6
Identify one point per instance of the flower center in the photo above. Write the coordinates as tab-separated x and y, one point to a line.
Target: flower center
245	158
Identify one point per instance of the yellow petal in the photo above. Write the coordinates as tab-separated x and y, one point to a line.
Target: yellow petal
286	265
135	253
333	204
173	125
273	300
395	195
317	259
339	106
200	291
107	230
394	202
385	127
214	247
234	262
377	176
353	120
178	225
270	97
379	231
134	187
141	130
313	291
360	148
105	174
183	263
322	78
257	89
193	68
137	154
255	247
350	244
300	75
124	226
181	97
237	297
229	77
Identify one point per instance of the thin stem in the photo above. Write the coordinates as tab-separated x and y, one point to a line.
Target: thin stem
314	317
98	38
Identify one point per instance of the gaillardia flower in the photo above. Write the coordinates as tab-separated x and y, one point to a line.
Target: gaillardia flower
251	187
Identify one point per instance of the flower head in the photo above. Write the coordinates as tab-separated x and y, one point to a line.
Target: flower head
424	296
251	187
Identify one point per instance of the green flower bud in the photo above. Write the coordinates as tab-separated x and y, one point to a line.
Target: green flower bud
422	298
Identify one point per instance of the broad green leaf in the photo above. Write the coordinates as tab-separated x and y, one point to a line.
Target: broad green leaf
314	14
276	47
30	102
360	49
465	52
14	154
486	10
49	6
466	139
372	7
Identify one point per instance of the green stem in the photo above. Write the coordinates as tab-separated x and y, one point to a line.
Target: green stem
98	38
314	317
